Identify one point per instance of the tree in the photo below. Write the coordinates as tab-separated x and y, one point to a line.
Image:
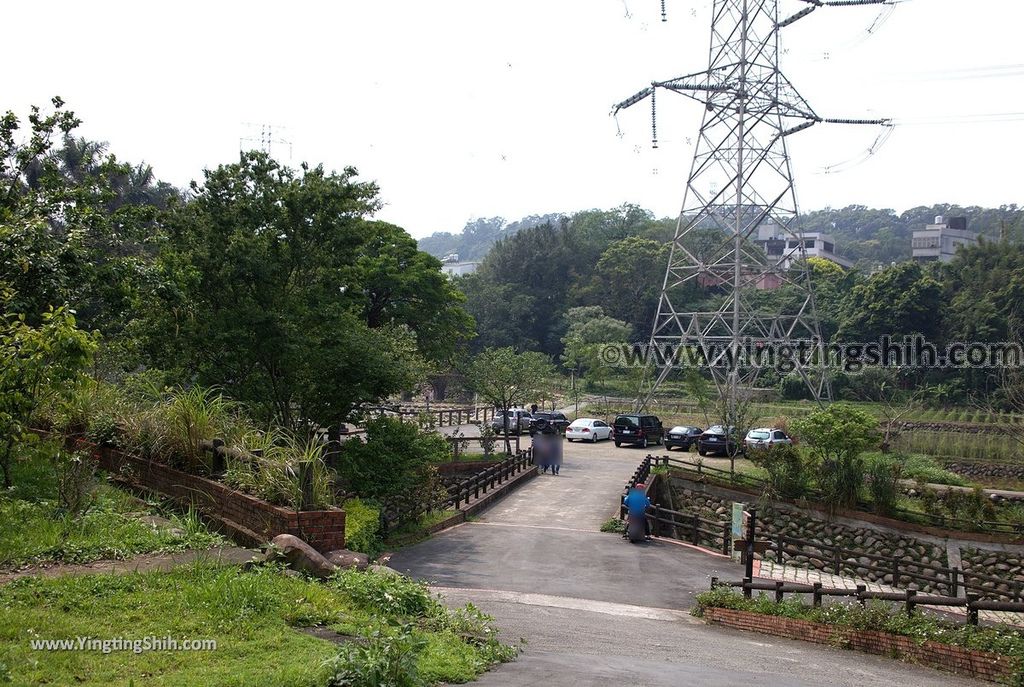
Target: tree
837	436
900	301
507	379
76	225
274	285
588	331
42	364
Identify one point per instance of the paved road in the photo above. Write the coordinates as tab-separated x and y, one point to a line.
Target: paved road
596	610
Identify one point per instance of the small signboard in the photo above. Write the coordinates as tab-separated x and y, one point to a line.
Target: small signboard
737	529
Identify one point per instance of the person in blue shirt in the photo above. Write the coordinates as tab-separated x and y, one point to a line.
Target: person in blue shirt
637	503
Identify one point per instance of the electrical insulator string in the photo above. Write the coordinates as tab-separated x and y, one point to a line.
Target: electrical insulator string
654	120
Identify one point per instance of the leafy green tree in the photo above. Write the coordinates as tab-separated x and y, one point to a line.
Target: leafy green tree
900	301
42	365
274	288
837	436
589	330
507	379
403	285
76	225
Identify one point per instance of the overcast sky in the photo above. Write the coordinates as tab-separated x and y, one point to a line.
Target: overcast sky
476	108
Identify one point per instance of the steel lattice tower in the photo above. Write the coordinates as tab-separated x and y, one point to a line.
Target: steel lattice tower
740	185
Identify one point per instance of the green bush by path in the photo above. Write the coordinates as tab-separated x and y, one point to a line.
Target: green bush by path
362	527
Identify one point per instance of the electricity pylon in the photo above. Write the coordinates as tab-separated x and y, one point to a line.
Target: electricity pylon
740	190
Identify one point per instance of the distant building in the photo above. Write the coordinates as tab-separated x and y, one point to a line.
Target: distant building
787	249
451	266
941	240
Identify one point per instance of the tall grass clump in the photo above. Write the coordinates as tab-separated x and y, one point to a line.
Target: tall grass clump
272	465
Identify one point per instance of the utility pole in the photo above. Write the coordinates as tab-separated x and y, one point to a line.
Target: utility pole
740	196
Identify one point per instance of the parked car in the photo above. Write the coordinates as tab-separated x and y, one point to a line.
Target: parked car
719	441
518	421
557	420
642	430
682	436
588	429
766	437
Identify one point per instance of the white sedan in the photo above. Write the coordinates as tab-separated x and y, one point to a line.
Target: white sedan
588	429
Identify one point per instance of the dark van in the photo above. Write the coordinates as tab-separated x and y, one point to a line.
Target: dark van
642	430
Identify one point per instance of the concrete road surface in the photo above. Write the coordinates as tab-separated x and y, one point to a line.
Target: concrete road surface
596	610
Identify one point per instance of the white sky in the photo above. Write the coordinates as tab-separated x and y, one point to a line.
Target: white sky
477	108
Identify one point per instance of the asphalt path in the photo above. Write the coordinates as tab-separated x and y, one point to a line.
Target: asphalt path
597	610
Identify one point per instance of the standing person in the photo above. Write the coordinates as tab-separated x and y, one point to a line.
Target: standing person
533	409
542	448
554	440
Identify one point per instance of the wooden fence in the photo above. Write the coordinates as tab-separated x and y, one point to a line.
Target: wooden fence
909	598
839	559
447	417
679	525
472	488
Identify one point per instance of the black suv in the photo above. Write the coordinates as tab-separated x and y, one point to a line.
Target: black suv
555	419
637	429
719	440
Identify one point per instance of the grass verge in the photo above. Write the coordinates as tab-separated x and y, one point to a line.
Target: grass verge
254	618
35	529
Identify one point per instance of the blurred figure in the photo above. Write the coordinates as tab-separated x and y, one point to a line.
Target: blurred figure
637	503
547	447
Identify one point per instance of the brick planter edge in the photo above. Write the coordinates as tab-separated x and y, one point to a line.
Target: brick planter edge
982	665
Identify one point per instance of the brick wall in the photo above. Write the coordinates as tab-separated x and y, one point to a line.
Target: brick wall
978	664
246	517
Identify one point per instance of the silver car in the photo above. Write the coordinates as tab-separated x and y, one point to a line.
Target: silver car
766	437
518	421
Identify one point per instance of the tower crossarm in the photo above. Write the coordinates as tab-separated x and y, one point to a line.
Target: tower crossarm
815	4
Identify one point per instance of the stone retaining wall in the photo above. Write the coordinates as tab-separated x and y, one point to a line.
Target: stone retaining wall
812	526
251	520
952	427
970	469
1006	565
982	665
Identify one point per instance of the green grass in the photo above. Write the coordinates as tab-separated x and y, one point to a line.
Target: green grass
412	532
923	468
33	528
252	615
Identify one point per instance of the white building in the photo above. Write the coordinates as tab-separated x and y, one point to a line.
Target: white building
786	248
453	267
941	240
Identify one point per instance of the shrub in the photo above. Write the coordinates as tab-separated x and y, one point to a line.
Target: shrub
74	479
192	415
789	476
841	480
927	469
390	594
393	460
362	527
488	439
884	474
838	435
388	659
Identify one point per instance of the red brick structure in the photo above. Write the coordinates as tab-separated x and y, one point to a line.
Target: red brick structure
251	520
955	659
